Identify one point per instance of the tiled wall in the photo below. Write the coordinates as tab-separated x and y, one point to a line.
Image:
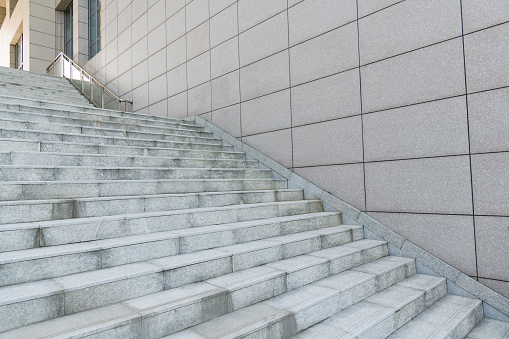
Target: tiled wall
400	108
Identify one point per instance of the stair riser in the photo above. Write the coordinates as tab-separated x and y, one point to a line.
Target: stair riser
179	136
42	159
82	299
127	151
14	104
58	147
330	303
94	256
67	190
66	173
98	116
59	233
65	209
10	89
119	131
135	125
211	144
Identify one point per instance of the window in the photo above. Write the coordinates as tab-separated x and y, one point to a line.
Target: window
94	28
19	53
68	31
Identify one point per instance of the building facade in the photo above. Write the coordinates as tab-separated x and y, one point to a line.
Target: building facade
400	108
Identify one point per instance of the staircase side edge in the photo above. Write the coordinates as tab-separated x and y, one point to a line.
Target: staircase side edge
497	305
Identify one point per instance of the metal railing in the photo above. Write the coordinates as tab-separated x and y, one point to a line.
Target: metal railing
89	86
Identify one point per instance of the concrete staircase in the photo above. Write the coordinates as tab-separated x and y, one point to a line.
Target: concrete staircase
119	225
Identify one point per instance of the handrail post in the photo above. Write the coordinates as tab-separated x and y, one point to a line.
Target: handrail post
102	97
82	82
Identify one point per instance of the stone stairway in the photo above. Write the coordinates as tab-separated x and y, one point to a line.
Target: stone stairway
120	225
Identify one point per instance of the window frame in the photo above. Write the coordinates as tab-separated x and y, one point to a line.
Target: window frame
94	20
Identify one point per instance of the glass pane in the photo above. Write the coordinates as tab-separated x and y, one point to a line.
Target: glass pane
57	68
86	86
76	77
96	94
110	103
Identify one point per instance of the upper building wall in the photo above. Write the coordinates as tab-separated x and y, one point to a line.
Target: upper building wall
397	107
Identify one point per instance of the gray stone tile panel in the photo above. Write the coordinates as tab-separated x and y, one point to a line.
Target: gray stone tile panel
433	185
217	6
176	80
198	40
176	53
490	183
253	12
224	25
265	143
425	130
198	70
267	113
197	12
310	18
501	287
339	142
225	57
367	6
449	237
199	99
345	181
324	55
478	15
175	26
225	90
492	235
329	98
489	125
487	64
267	38
229	119
431	73
173	6
265	76
407	26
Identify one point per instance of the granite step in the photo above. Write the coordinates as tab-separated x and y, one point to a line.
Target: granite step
13	145
19	236
287	314
490	329
103	160
86	120
84	291
451	317
378	316
60	173
173	135
133	131
49	262
23	211
43	190
178	142
14	103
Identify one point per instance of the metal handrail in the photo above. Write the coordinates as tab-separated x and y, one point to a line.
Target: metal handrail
103	98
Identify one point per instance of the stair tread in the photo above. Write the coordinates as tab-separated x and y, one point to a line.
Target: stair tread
440	319
50	251
490	329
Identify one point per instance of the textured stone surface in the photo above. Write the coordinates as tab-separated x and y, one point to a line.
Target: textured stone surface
489	180
489	126
486	60
331	53
426	74
435	185
427	130
407	26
